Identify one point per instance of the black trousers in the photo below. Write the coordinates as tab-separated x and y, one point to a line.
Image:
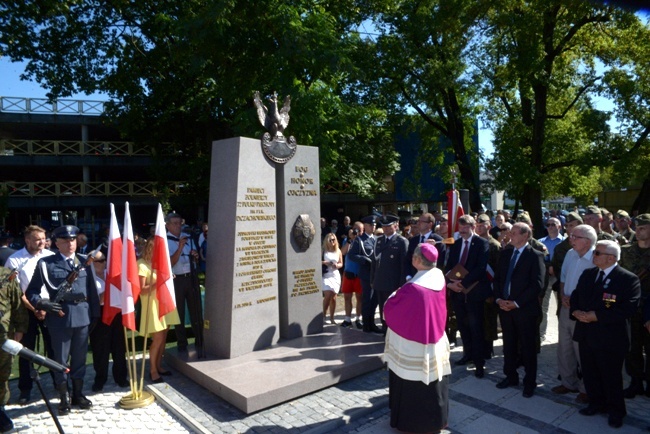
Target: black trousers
519	334
107	340
368	302
186	294
470	322
602	372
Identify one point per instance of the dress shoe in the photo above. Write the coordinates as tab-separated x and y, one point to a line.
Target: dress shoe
346	324
635	388
24	397
6	424
124	383
582	398
615	421
590	411
96	387
529	391
480	372
562	390
157	380
165	373
359	324
462	361
507	382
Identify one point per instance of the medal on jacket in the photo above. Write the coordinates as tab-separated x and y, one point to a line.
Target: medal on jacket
609	299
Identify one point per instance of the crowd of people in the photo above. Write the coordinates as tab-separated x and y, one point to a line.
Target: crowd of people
52	302
493	275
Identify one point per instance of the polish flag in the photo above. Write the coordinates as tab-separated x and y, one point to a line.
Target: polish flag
130	278
112	294
162	266
454	211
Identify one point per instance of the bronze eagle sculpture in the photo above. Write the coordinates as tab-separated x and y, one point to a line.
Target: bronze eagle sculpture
274	120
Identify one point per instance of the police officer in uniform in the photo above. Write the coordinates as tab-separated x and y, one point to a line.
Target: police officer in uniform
70	319
636	258
389	268
13	324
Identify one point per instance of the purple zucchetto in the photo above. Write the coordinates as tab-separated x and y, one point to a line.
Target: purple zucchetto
429	251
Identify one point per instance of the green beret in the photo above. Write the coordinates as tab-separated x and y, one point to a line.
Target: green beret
593	209
524	218
483	218
574	217
622	214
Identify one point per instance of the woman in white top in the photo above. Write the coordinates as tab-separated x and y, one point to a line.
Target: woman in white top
332	261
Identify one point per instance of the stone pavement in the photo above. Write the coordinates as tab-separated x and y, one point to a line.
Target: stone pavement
359	405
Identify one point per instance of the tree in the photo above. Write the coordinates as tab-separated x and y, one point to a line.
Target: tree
184	73
422	55
542	62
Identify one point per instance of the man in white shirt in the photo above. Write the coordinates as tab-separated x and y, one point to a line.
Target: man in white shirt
578	259
24	261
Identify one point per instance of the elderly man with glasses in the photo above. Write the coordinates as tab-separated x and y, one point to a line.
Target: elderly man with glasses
602	304
578	259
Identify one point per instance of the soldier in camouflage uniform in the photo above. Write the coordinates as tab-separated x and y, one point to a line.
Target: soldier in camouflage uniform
491	310
636	258
607	225
13	324
594	217
622	222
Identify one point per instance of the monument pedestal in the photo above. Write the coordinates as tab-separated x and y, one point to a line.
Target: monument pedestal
285	371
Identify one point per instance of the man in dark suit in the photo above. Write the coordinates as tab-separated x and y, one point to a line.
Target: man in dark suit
425	225
604	300
68	320
388	262
471	251
361	252
517	285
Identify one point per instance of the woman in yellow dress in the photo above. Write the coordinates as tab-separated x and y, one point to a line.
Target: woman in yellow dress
150	323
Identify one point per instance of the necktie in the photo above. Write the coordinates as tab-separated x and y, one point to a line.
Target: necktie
70	263
463	256
513	261
601	277
421	239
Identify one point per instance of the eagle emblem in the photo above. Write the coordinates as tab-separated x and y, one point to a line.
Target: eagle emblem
274	144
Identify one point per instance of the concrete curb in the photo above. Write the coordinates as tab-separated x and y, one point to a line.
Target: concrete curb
178	412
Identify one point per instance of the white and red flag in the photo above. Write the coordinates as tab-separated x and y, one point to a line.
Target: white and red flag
130	278
112	294
454	211
162	266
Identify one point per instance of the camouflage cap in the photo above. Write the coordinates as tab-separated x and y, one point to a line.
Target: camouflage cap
593	209
642	219
524	218
622	214
483	218
574	217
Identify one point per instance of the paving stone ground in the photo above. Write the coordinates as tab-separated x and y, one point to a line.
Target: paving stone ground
359	405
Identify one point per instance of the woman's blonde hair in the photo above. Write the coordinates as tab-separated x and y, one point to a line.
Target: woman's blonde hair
147	252
326	244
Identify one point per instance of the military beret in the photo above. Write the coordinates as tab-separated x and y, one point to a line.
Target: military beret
483	218
444	218
388	219
66	232
524	218
369	220
574	217
593	209
642	219
622	214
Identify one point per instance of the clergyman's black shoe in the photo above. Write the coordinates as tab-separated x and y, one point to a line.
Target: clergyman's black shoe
507	382
462	361
615	421
480	372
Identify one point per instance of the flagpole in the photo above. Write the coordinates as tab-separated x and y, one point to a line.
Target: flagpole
146	328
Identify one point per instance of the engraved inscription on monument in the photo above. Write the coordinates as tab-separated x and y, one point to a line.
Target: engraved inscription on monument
302	184
304	282
255	254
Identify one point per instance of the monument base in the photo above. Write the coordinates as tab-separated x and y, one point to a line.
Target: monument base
285	371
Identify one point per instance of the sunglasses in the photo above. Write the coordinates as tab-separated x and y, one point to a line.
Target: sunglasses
599	253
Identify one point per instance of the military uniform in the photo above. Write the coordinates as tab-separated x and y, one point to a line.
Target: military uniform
80	306
13	318
388	270
637	260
